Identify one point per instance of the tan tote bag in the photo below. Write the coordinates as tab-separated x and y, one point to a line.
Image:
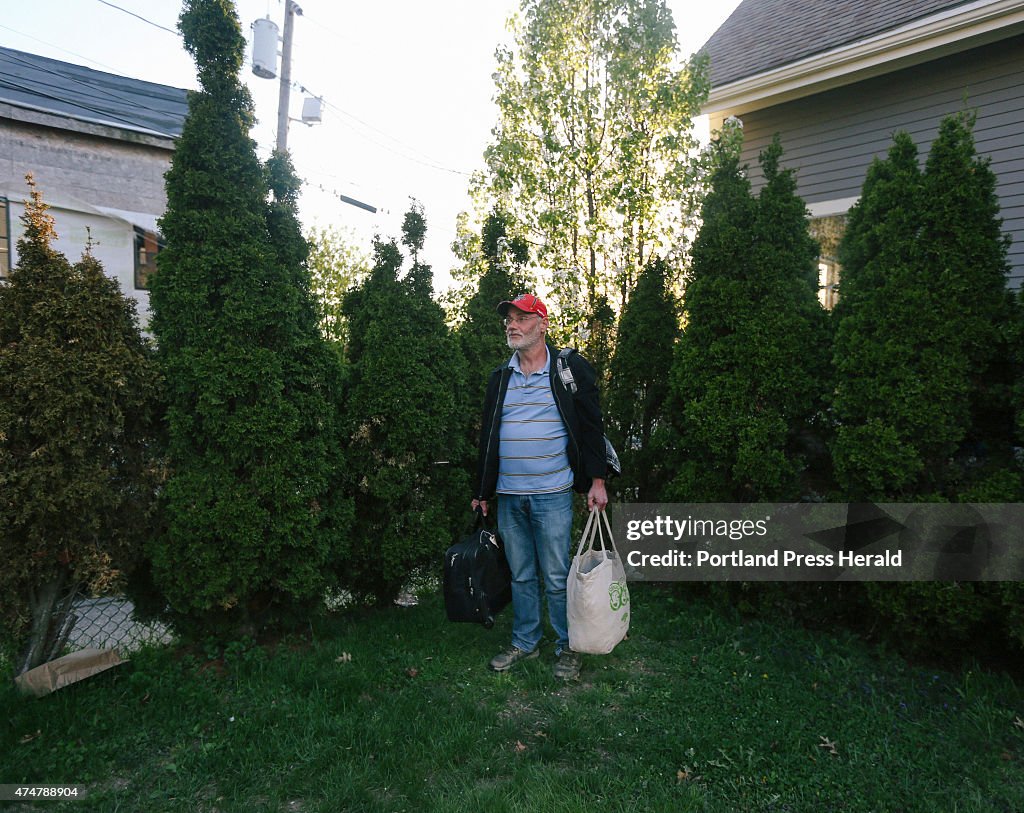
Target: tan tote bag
597	596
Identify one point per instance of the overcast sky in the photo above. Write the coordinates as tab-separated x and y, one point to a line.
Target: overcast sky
406	84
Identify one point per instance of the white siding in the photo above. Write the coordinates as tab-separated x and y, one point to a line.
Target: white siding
113	245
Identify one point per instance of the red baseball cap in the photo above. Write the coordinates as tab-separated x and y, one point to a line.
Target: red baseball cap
528	303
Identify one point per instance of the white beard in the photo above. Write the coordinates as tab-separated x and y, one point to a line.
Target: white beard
522	343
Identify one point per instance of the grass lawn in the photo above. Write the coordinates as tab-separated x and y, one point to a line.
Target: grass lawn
394	709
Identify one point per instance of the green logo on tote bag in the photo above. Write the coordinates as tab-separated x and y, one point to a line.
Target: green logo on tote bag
618	595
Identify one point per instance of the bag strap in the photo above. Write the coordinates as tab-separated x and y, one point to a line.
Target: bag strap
592	532
564	370
611	538
568	380
481	521
587	538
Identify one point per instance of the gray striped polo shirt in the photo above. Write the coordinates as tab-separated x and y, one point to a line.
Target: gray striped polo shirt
532	457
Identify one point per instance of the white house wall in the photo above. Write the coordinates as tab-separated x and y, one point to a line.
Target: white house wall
113	245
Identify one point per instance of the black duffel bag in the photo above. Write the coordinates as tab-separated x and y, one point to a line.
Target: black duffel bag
477	578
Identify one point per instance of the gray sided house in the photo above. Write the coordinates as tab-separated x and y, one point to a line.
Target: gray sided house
837	78
98	146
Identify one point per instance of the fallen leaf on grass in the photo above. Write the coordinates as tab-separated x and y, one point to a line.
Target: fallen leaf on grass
519	747
828	745
1019	723
412	671
30	737
344	657
686	774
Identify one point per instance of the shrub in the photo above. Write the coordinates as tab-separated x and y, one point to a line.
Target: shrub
921	320
250	512
79	414
750	371
406	433
638	382
923	356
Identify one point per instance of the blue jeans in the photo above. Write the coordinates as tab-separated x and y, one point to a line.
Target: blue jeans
537	530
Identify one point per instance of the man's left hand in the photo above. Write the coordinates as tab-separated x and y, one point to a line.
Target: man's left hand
597	498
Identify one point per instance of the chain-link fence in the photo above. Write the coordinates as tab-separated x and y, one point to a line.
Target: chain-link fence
107	623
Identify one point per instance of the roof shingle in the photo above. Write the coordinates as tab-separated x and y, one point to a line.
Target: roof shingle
40	83
765	34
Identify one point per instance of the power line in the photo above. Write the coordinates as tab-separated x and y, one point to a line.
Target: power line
426	161
317	25
107	114
58	48
405	156
139	17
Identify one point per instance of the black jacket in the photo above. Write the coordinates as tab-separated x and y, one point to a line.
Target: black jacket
581	414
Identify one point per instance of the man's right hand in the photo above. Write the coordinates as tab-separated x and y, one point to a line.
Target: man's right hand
481	504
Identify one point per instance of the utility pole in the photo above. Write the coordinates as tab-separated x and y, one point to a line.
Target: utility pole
290	11
264	65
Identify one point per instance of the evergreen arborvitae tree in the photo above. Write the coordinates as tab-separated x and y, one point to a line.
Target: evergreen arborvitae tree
638	387
964	252
888	417
793	339
598	341
697	446
921	320
481	337
401	414
248	514
313	375
923	328
750	370
79	411
1017	352
1012	593
414	234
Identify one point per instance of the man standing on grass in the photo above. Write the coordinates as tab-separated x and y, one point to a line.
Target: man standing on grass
538	443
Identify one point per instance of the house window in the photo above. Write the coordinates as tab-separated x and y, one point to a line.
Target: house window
5	239
828	281
147	245
828	231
